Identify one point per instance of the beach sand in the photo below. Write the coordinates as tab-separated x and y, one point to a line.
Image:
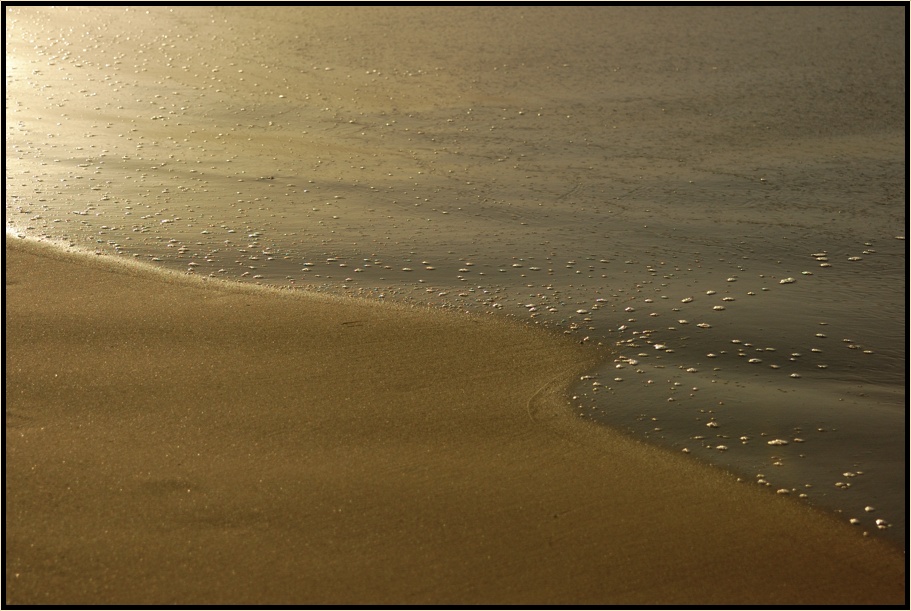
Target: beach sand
642	176
176	441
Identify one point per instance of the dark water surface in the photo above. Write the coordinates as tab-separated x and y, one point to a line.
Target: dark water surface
619	174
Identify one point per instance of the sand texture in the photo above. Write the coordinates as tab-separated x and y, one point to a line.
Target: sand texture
717	193
644	176
172	441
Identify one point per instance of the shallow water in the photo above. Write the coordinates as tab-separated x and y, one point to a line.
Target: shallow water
597	170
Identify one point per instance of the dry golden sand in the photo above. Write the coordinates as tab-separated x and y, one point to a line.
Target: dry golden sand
169	442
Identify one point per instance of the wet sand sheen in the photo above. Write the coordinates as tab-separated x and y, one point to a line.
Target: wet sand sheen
172	442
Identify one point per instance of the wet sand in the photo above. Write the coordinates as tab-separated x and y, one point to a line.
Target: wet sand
175	441
642	176
622	174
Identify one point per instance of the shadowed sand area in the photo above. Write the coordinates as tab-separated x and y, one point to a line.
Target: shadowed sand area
173	442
